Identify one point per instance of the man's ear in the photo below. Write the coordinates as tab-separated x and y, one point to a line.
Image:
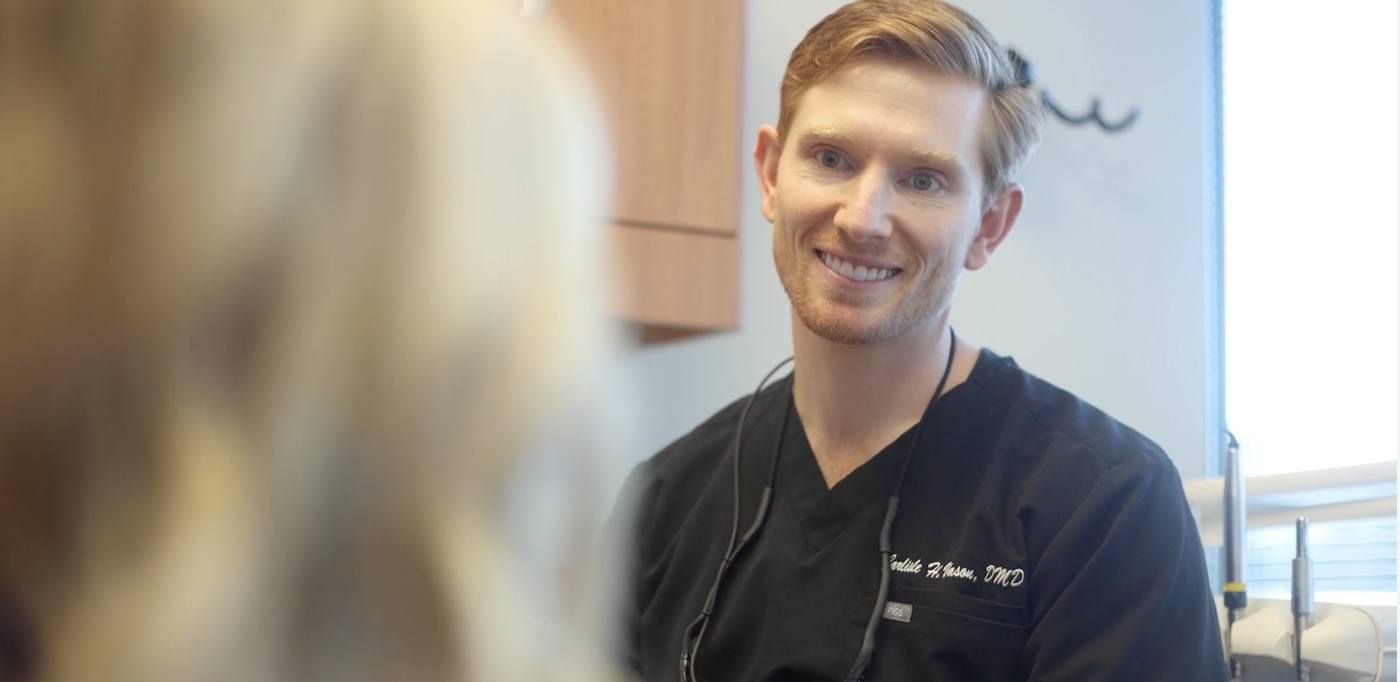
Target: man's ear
997	221
765	162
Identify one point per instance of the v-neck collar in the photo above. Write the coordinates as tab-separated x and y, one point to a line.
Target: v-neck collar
824	513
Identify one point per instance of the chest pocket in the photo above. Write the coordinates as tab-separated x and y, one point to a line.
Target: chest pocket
948	636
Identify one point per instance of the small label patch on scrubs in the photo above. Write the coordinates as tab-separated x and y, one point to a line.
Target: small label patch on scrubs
900	612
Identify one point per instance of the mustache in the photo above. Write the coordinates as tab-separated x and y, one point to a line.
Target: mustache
841	247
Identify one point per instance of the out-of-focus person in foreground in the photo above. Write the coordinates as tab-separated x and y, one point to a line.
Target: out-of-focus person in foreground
286	286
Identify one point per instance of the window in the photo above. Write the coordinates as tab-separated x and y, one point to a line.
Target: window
1352	560
1309	173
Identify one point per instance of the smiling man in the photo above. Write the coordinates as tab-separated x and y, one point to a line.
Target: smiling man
906	505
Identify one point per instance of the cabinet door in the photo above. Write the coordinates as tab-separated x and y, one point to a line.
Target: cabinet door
676	284
669	75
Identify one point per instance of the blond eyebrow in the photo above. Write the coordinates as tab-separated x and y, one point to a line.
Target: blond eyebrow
929	157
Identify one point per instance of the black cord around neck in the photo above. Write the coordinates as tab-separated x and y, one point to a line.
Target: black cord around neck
695	632
923	419
867	646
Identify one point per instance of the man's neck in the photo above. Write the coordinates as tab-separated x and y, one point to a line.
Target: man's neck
855	399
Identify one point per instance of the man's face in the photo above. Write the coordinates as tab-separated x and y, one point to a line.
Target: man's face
876	199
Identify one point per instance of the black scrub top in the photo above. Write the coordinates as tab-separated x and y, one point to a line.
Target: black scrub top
1037	539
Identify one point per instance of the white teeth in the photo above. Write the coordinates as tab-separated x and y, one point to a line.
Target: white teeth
859	273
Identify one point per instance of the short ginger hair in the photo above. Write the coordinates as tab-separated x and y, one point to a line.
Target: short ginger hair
942	36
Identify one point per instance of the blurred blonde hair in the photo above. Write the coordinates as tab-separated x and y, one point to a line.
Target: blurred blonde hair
288	283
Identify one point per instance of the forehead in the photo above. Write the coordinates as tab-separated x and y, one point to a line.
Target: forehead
895	106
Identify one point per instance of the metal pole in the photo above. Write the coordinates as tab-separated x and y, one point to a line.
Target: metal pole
1302	597
1236	597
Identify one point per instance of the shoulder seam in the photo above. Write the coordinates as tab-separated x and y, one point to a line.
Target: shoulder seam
1148	447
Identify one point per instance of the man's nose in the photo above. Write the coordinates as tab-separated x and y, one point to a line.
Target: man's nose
864	212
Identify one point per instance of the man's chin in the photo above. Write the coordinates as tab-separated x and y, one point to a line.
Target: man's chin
849	330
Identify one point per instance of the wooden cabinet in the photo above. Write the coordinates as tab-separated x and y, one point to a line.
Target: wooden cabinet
669	75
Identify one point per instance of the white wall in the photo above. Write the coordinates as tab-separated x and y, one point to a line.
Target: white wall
1103	288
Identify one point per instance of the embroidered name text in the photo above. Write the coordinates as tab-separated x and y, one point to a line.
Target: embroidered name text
997	575
906	565
938	569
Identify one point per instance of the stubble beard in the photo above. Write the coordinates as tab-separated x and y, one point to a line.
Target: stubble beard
916	309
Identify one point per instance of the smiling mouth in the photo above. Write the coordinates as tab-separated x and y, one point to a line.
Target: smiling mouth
858	273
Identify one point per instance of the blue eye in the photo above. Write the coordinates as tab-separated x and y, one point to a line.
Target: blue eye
830	159
924	182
